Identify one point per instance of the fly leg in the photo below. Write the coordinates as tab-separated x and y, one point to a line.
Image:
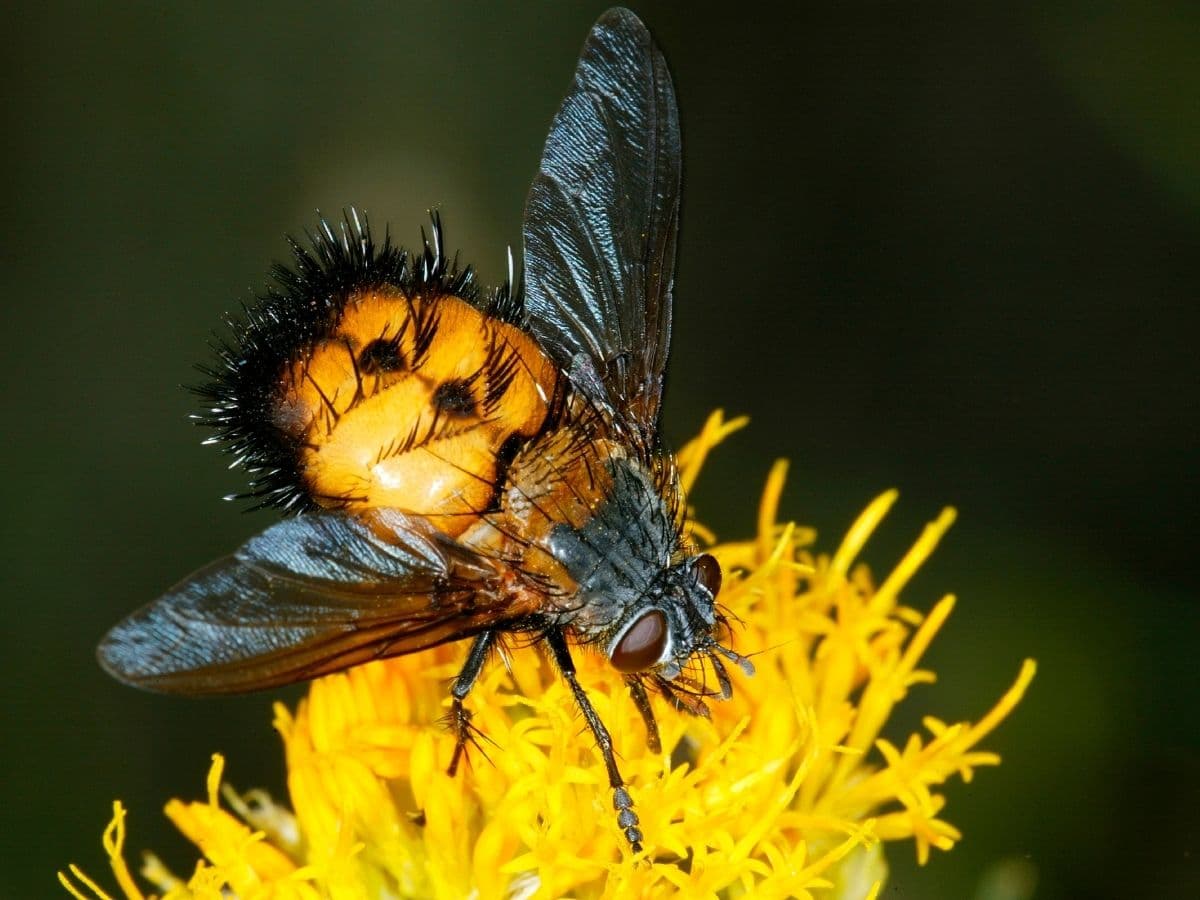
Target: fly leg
637	691
627	819
460	716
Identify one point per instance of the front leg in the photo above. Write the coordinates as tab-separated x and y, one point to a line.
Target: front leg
637	691
460	716
627	819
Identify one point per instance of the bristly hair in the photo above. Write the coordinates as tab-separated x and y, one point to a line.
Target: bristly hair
292	315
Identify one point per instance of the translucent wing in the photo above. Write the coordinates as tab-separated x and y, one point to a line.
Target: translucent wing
308	596
601	221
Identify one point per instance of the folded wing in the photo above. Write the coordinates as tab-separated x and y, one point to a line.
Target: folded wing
308	596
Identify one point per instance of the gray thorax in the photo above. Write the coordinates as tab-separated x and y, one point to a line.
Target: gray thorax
622	561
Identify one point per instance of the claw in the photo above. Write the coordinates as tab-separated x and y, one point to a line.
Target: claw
465	733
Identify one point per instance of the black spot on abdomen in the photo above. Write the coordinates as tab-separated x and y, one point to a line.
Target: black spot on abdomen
381	356
454	398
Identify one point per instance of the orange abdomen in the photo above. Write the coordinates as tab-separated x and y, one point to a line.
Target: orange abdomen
408	403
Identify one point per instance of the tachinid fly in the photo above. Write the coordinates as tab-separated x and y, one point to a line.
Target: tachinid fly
462	463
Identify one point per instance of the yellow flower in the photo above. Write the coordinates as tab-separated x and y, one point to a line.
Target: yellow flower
787	790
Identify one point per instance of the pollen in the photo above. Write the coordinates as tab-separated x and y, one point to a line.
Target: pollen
790	789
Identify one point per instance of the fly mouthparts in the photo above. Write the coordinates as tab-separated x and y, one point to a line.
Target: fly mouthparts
742	662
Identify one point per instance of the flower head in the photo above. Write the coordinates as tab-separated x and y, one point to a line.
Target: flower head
787	789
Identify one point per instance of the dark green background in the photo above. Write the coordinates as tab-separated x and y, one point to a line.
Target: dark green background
950	250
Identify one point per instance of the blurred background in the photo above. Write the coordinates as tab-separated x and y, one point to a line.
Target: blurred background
950	248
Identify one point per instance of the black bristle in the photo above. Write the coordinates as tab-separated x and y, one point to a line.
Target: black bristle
507	302
294	314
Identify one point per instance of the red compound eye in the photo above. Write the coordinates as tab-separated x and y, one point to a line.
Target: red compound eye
642	644
708	573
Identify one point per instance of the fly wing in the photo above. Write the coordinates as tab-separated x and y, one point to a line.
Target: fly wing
601	221
308	596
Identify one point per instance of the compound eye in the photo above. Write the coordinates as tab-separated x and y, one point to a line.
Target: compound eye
708	573
642	645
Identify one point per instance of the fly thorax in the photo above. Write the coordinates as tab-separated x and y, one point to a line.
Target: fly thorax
617	556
